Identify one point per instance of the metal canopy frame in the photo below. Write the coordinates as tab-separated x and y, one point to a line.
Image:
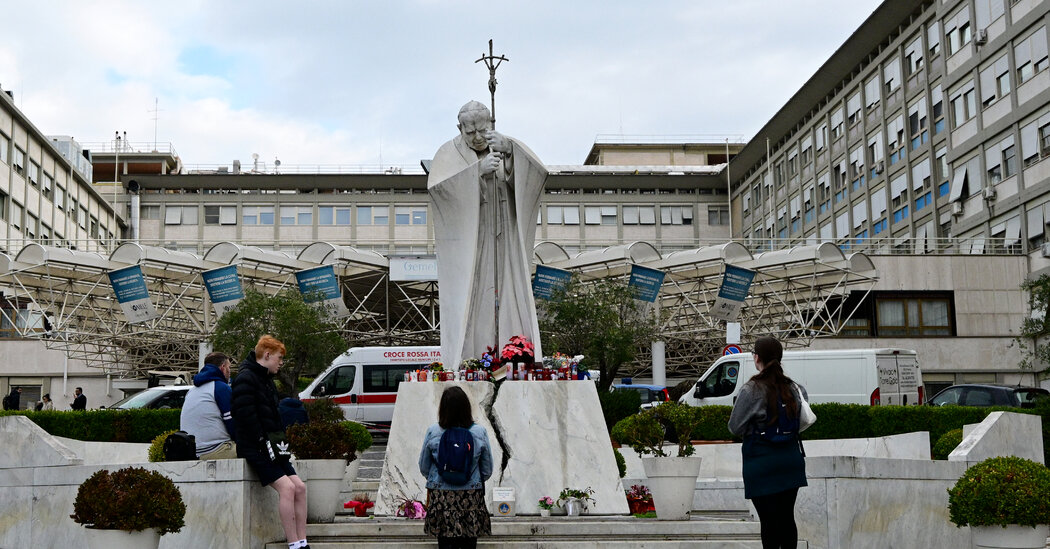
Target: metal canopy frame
797	294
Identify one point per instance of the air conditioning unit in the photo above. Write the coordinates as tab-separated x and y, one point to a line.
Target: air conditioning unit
1046	249
989	193
957	208
981	38
880	167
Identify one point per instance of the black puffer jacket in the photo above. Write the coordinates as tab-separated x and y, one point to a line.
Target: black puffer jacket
254	405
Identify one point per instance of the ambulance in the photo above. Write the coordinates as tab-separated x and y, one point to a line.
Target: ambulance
363	381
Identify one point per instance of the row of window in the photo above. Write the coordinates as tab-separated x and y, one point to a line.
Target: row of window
288	215
896	315
631	215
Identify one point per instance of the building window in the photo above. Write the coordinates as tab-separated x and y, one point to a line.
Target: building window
34	173
878	226
871	92
180	215
220	215
373	215
923	200
297	215
913	316
957	30
937	96
995	81
913	59
333	215
17	213
410	215
596	215
1030	56
47	186
148	212
933	38
676	215
900	214
60	198
639	215
853	109
257	215
565	215
895	139
917	124
82	217
836	124
963	104
19	161
1035	140
5	145
718	215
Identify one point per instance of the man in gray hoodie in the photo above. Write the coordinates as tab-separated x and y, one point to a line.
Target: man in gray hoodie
206	412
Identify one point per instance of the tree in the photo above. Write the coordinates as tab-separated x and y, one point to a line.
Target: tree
601	320
308	332
1035	328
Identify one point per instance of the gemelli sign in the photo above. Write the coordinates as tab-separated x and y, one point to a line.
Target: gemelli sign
130	287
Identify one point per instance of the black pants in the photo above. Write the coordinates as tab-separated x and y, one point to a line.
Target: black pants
776	512
457	543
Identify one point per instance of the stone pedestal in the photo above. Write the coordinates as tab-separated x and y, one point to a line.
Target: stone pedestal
553	432
415	411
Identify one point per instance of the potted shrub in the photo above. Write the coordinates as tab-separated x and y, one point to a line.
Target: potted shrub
322	451
1005	501
574	501
546	503
672	479
131	507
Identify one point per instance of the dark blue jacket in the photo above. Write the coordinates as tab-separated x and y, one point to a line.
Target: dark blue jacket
292	412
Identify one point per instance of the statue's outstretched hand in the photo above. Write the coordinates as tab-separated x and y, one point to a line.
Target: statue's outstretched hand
490	164
497	142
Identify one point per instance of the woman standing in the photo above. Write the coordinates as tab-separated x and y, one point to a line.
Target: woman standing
456	514
774	465
260	432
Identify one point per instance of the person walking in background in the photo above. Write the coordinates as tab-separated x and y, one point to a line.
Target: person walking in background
13	400
80	401
207	411
260	435
766	416
456	512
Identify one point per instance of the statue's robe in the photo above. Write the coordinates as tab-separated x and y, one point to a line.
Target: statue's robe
465	232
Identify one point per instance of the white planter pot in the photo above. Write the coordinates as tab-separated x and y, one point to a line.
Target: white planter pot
672	480
1010	537
120	539
545	512
324	480
350	474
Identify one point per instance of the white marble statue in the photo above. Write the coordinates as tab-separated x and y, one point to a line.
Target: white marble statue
464	176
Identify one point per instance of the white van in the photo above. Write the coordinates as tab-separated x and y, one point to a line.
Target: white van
851	376
363	381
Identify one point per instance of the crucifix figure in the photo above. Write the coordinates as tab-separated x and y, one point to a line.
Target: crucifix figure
485	191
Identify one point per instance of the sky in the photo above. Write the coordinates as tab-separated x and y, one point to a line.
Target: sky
379	83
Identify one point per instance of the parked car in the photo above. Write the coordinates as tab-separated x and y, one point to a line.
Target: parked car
155	398
651	394
973	394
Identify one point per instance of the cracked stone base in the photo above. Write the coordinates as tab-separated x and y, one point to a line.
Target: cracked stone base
553	430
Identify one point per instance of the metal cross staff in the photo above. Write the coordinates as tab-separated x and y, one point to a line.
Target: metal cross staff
493	62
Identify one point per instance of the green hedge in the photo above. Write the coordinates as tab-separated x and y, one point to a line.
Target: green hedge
862	421
105	425
617	405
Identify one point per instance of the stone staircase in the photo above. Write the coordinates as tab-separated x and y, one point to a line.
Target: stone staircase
553	532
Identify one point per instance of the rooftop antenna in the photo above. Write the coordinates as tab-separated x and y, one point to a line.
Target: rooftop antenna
156	117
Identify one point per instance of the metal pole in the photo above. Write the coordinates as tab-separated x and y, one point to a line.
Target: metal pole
729	189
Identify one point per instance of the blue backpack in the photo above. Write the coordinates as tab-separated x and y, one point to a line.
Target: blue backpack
785	429
455	456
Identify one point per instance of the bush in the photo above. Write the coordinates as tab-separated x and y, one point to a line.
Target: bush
712	423
323	410
316	440
360	434
617	405
680	422
1001	491
156	448
140	426
947	443
130	499
642	432
621	464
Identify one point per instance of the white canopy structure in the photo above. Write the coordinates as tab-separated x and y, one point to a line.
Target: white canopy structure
64	297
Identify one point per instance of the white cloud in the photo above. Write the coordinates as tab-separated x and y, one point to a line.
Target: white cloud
363	83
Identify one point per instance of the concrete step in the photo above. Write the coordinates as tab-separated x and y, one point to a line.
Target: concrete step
535	532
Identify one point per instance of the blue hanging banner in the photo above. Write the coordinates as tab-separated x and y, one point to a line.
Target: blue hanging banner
224	288
549	281
645	282
320	285
130	287
736	283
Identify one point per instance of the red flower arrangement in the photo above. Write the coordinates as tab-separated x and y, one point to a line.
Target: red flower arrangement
520	349
639	499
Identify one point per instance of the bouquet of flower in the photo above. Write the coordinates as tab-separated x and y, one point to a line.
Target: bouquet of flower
639	499
410	508
519	349
470	364
488	359
360	504
434	367
546	502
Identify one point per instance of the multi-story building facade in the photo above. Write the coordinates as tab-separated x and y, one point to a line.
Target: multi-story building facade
925	134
